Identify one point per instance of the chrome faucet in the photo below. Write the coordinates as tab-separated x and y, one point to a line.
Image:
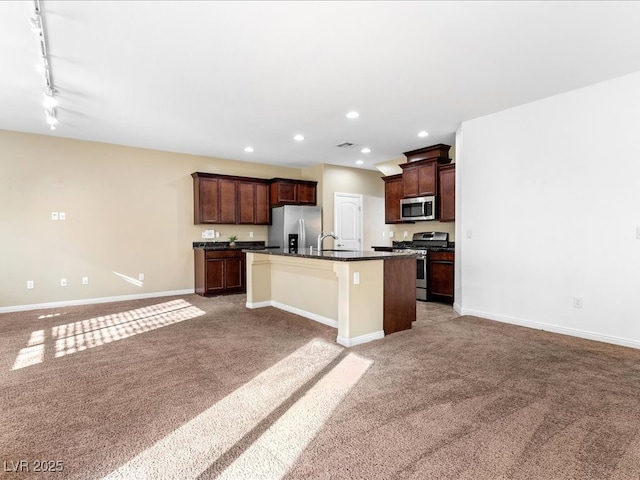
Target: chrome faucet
321	238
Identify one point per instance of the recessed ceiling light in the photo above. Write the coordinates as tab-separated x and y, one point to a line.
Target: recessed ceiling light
359	162
298	137
353	115
248	149
366	150
423	133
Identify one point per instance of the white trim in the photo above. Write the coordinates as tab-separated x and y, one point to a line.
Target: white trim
574	332
457	308
352	342
303	313
89	301
266	303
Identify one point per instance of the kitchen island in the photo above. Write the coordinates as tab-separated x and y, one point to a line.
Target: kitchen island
365	295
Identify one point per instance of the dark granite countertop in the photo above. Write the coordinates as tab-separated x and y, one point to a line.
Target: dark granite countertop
341	255
407	245
226	246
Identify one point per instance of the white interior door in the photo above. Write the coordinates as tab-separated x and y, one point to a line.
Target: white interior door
347	219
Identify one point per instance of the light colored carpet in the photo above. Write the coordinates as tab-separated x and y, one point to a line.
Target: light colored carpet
190	387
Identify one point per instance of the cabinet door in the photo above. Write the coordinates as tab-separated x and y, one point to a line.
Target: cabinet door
246	202
284	193
263	212
306	194
427	179
207	208
447	195
393	192
227	201
234	274
410	181
215	276
441	275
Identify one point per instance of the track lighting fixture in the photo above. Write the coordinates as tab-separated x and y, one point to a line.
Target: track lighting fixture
50	101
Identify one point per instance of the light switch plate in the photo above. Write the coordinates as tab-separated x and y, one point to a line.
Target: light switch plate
54	215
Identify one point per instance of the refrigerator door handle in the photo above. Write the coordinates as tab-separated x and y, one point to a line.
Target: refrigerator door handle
302	233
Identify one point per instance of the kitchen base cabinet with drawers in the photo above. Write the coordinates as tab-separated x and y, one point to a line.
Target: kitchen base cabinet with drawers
218	272
440	268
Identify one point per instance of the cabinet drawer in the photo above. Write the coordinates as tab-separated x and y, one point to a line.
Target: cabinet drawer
442	256
209	254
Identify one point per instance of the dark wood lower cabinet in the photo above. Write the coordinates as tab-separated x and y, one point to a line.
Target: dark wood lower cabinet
219	272
441	270
399	294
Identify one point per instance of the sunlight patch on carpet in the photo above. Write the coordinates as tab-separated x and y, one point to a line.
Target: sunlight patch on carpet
275	452
94	332
191	449
33	353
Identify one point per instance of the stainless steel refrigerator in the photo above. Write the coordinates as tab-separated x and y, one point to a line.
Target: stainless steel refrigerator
294	228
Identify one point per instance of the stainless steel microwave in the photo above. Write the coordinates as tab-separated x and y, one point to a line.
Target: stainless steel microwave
418	208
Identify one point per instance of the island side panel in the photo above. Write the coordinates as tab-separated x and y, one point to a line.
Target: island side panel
306	286
399	294
360	317
258	280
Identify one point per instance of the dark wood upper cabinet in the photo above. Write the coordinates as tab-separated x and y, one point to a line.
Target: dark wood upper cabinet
284	191
307	192
226	199
228	206
420	173
263	210
214	200
447	192
419	178
253	202
393	192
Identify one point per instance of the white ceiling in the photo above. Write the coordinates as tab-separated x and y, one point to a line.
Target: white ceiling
210	78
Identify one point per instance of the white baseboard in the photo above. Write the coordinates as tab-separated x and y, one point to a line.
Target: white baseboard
89	301
547	327
457	308
303	313
352	342
266	303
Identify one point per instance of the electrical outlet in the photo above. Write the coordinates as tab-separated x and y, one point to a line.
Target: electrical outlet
577	302
406	234
62	216
356	278
85	280
141	277
63	282
54	215
30	284
383	233
390	234
250	234
469	234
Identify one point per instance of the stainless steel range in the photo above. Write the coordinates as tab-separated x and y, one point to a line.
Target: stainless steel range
420	244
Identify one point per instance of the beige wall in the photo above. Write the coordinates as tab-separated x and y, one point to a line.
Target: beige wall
369	184
128	210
